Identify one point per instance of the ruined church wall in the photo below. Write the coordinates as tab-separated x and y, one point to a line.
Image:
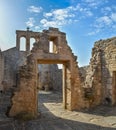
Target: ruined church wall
1	70
25	98
11	58
108	59
50	77
98	80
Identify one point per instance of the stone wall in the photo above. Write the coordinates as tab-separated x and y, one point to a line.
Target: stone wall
12	59
97	80
49	77
108	57
82	88
1	70
25	98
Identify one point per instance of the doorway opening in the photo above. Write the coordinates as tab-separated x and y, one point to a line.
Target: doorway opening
50	85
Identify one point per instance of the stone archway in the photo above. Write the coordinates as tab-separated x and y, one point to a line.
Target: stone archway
25	98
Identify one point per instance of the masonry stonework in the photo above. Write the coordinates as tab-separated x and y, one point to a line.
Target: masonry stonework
49	77
99	80
27	71
27	81
1	70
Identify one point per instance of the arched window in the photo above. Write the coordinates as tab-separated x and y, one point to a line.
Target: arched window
32	40
51	46
22	44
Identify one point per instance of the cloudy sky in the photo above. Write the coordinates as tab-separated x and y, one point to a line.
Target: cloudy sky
84	21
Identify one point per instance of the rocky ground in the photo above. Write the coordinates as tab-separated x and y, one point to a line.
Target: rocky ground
54	117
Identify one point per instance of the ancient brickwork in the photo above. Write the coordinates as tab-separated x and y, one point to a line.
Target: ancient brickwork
83	87
25	99
108	57
12	59
1	70
97	82
49	77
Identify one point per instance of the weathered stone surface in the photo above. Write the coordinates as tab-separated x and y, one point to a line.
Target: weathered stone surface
100	77
1	70
82	88
25	98
49	77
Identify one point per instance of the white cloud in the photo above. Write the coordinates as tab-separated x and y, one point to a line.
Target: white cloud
95	3
47	23
30	22
60	14
85	12
93	32
59	17
37	28
113	17
35	9
104	20
48	14
106	10
53	23
103	23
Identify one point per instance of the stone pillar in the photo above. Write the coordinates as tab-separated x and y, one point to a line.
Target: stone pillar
64	87
17	42
114	88
27	44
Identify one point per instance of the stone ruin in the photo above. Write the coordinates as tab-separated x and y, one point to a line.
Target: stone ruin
84	87
49	77
99	78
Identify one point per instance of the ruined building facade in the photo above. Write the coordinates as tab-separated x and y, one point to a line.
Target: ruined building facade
99	78
83	87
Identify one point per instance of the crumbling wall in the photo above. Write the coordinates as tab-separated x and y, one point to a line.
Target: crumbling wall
1	70
11	62
25	98
108	57
97	82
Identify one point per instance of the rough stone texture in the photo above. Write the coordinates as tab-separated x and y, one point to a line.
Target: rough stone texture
25	98
49	77
5	103
1	70
82	88
99	81
11	62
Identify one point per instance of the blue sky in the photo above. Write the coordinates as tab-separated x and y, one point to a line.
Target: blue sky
84	21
